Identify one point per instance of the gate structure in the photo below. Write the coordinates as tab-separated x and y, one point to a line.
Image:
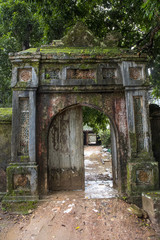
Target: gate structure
50	84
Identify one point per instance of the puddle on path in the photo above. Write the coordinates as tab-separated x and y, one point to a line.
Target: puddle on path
98	173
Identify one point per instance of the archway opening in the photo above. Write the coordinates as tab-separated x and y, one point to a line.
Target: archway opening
68	164
100	154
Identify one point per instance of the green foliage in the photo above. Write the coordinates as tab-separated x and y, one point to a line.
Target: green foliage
95	119
7	44
20	20
105	137
99	122
5	114
152	8
19	29
99	16
155	76
31	23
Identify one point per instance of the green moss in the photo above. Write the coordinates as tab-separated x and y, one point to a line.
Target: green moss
145	156
133	142
47	81
154	194
93	51
134	187
11	169
24	158
30	50
22	84
96	99
12	166
19	207
128	179
48	76
75	89
5	114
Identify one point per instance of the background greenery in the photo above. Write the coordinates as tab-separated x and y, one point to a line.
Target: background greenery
31	23
100	124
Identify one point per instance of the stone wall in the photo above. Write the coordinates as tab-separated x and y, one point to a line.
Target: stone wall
5	144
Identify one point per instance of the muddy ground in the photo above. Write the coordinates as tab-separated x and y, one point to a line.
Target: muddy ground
96	213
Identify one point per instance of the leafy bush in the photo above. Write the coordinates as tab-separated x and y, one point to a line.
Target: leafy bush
105	137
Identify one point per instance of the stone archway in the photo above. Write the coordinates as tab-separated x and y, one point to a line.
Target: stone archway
66	153
48	80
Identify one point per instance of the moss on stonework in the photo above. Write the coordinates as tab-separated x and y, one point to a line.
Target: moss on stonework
153	194
128	179
24	158
145	156
136	186
23	84
24	207
133	143
78	51
75	89
5	115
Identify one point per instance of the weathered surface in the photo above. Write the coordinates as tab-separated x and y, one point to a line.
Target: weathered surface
65	161
80	36
68	215
140	213
151	204
5	145
49	80
108	103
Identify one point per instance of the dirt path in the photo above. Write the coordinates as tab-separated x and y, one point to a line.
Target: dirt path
78	215
66	216
98	173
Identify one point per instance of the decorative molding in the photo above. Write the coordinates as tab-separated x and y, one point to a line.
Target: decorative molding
25	74
109	73
81	73
135	73
24	126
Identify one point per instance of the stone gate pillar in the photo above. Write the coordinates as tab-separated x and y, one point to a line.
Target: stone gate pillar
142	170
22	174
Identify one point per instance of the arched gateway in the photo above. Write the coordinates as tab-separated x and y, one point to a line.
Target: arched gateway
49	87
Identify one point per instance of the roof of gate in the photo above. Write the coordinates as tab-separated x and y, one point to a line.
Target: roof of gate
78	53
80	42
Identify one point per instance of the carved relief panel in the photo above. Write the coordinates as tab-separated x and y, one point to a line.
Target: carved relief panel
24	74
24	126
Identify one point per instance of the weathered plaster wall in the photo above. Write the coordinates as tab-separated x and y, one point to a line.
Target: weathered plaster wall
5	144
112	104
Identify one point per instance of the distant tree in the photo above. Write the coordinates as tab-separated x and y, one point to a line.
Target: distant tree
20	20
95	119
31	23
19	29
100	124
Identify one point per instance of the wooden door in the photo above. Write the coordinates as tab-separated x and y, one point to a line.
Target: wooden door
65	160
